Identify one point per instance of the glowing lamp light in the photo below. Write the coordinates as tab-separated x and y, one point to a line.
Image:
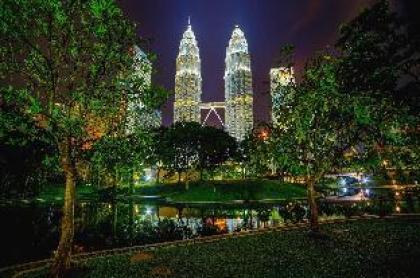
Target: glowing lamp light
365	180
148	211
345	190
264	135
367	191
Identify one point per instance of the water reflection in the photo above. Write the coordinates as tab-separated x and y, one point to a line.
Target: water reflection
31	232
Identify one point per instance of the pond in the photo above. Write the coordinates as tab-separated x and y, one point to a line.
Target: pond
30	231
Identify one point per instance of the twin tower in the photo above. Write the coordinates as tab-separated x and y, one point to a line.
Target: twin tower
238	85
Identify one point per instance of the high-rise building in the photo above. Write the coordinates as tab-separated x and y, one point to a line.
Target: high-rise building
238	87
280	80
138	115
188	79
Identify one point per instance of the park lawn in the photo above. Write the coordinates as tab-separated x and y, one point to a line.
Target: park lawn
221	191
369	248
199	191
55	193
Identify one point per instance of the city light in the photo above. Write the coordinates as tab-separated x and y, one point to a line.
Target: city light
365	180
188	81
238	86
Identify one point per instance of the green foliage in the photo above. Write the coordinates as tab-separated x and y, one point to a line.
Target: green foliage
186	146
67	69
215	147
154	97
380	65
255	155
65	66
286	56
357	108
122	157
24	149
177	148
317	122
71	61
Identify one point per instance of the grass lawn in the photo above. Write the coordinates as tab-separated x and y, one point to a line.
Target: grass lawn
207	191
375	248
227	191
55	193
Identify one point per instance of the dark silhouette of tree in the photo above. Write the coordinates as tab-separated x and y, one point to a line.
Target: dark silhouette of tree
215	147
189	146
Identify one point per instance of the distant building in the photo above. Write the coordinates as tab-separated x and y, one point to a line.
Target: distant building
188	79
140	116
280	79
238	87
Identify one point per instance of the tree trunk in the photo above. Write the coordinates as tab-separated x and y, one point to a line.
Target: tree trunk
61	260
314	225
131	172
131	221
158	175
114	219
187	181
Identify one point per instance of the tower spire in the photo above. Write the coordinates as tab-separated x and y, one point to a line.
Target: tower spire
188	79
238	86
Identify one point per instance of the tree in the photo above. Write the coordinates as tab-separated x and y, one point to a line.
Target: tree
120	157
188	145
351	105
256	154
318	127
64	64
215	147
178	147
23	155
381	61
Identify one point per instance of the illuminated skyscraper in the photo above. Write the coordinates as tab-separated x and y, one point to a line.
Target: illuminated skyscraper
280	80
138	115
188	79
238	87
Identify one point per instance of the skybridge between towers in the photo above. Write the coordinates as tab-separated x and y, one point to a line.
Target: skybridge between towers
211	107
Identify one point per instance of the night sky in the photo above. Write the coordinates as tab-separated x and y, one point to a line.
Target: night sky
310	25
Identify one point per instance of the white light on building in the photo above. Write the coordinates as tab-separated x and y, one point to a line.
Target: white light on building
238	87
188	79
138	115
